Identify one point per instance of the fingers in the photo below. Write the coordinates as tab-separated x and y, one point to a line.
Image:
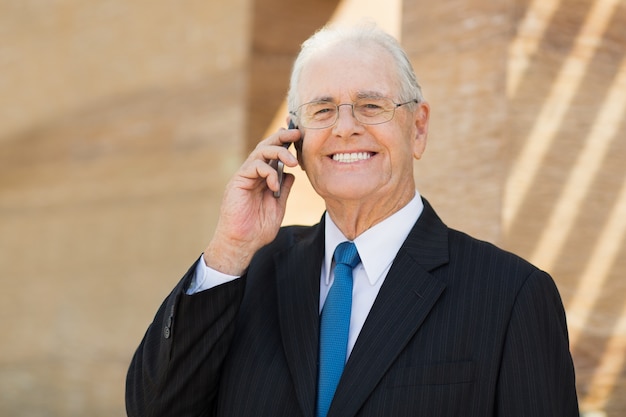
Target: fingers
262	162
276	145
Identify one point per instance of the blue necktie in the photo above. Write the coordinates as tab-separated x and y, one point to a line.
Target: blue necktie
334	326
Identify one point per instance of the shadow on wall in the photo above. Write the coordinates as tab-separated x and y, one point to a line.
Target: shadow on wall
565	205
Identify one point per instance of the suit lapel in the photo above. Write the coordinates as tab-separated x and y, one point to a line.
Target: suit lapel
298	274
403	303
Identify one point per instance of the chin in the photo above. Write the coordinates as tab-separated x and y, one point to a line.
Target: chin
357	192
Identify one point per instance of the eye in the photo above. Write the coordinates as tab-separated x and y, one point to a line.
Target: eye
372	105
369	107
320	110
323	110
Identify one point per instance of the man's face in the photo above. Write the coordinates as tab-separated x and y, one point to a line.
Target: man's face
385	152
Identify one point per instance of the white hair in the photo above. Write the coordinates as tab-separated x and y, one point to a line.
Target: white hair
363	34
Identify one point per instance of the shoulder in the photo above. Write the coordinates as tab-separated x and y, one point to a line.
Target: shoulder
288	237
435	245
464	246
486	262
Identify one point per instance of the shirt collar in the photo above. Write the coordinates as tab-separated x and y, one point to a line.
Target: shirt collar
378	245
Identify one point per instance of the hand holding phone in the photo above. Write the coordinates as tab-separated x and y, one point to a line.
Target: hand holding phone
280	166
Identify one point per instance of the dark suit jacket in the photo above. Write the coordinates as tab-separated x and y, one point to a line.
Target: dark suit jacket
460	328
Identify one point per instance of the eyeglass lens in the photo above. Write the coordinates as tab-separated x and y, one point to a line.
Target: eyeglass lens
321	114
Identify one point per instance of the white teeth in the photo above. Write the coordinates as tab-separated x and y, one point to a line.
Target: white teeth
347	158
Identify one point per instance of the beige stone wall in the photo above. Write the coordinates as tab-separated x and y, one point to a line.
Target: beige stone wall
459	51
120	123
278	28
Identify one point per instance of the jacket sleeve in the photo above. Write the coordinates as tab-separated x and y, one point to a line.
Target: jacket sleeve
537	372
176	368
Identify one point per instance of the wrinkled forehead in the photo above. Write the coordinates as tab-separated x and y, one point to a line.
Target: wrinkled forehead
348	70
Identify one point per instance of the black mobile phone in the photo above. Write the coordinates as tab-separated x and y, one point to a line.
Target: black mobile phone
280	166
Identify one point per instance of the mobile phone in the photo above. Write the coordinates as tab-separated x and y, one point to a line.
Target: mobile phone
280	166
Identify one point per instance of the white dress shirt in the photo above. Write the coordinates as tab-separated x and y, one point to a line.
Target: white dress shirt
377	249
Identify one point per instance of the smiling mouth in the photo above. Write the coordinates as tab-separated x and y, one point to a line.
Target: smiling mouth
347	158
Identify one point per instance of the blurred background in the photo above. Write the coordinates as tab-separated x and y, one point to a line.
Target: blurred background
121	122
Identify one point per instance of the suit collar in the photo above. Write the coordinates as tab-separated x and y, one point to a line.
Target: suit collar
427	243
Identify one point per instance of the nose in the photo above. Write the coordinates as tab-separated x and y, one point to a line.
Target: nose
345	104
345	124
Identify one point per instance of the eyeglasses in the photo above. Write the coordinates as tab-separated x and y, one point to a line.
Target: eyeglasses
369	111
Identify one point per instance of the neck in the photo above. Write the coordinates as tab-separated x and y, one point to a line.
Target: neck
353	217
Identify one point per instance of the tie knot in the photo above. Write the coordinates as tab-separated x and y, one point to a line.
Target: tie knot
346	254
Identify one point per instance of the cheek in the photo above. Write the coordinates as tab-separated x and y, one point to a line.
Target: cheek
307	148
402	159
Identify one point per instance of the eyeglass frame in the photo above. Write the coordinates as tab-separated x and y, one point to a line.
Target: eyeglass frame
393	111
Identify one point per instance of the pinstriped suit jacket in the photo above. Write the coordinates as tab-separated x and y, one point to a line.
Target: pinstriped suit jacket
460	328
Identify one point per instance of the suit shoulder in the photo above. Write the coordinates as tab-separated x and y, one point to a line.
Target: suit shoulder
287	237
487	256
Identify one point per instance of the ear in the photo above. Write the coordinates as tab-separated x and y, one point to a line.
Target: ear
422	114
298	146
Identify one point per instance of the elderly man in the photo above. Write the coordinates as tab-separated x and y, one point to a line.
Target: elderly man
378	310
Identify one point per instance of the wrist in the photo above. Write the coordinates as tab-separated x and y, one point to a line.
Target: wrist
227	259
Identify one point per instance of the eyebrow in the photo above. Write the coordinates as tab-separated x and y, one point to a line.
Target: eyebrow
358	95
370	94
321	98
